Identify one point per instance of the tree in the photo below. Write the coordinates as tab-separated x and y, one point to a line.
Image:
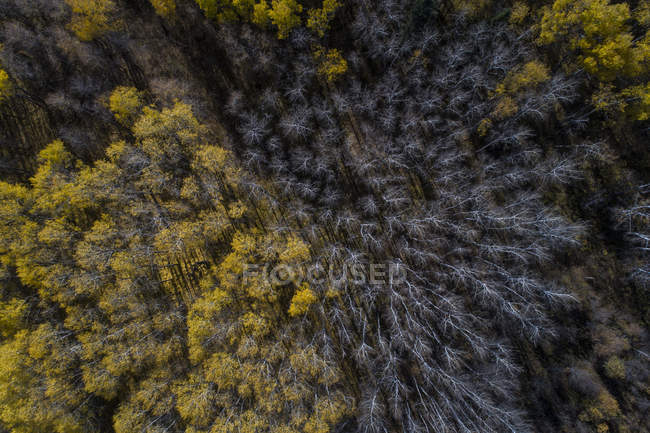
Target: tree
5	85
519	13
598	31
284	14
12	317
331	64
165	8
633	102
92	18
125	103
35	387
319	19
242	334
261	14
530	75
227	10
301	301
638	101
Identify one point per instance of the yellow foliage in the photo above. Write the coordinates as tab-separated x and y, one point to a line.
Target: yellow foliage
302	300
28	273
128	419
223	370
642	14
632	101
57	231
115	151
484	127
243	244
92	18
506	107
201	322
243	8
471	7
331	64
125	103
195	400
599	31
11	316
284	14
155	393
214	224
216	9
519	13
227	10
35	395
123	263
237	209
15	383
169	133
15	200
54	183
296	251
215	160
517	81
638	99
615	368
331	410
530	75
306	362
190	190
319	19
251	422
55	153
255	325
608	405
248	348
209	8
165	8
100	382
5	85
242	343
261	14
606	99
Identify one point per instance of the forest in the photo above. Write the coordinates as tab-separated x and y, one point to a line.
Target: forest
494	154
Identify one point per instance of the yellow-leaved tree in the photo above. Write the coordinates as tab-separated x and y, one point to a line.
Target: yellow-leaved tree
5	85
331	64
227	10
125	104
285	15
92	18
600	34
530	75
598	30
246	336
516	83
319	19
165	8
36	391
